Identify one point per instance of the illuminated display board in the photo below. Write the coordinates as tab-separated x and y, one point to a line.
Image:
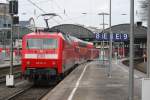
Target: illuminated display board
115	37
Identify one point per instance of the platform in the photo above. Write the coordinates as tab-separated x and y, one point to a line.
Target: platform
5	64
90	82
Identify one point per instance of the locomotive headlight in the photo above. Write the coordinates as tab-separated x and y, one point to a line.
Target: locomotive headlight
53	63
28	62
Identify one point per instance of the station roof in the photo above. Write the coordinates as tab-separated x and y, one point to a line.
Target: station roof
75	30
139	31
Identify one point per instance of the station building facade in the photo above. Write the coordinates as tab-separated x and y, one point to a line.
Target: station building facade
5	24
140	38
5	27
78	31
122	47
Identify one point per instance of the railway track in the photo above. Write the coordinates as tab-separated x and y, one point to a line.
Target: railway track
17	93
3	77
137	62
27	91
5	70
31	93
34	92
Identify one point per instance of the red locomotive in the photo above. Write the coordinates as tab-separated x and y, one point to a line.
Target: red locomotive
48	54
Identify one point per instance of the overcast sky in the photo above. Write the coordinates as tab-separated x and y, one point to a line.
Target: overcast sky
71	11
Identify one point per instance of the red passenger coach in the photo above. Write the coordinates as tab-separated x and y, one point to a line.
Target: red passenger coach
47	54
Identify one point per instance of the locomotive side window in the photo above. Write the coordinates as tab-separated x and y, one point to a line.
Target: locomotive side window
44	43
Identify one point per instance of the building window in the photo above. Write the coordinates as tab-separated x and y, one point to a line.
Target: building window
9	25
4	25
8	34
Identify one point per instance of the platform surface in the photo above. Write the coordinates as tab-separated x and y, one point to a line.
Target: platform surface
5	64
90	82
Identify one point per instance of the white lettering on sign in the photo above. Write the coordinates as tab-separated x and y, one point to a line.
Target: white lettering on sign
97	35
115	36
125	36
104	36
118	36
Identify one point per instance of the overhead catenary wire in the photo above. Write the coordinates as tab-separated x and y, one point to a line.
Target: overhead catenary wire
40	9
43	1
73	18
60	7
46	1
57	5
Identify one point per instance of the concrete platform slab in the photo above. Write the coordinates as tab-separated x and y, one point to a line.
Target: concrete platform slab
90	82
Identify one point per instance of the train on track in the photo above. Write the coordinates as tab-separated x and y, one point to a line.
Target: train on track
49	54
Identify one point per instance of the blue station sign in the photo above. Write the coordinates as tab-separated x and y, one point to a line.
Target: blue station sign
115	37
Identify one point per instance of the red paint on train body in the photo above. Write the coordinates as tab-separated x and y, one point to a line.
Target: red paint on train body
53	53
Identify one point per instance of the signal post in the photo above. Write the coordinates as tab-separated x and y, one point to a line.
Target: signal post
13	10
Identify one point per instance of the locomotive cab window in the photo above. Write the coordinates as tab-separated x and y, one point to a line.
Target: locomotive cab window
45	43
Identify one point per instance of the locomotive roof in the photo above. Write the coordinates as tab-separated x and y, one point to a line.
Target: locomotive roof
63	35
44	33
39	33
